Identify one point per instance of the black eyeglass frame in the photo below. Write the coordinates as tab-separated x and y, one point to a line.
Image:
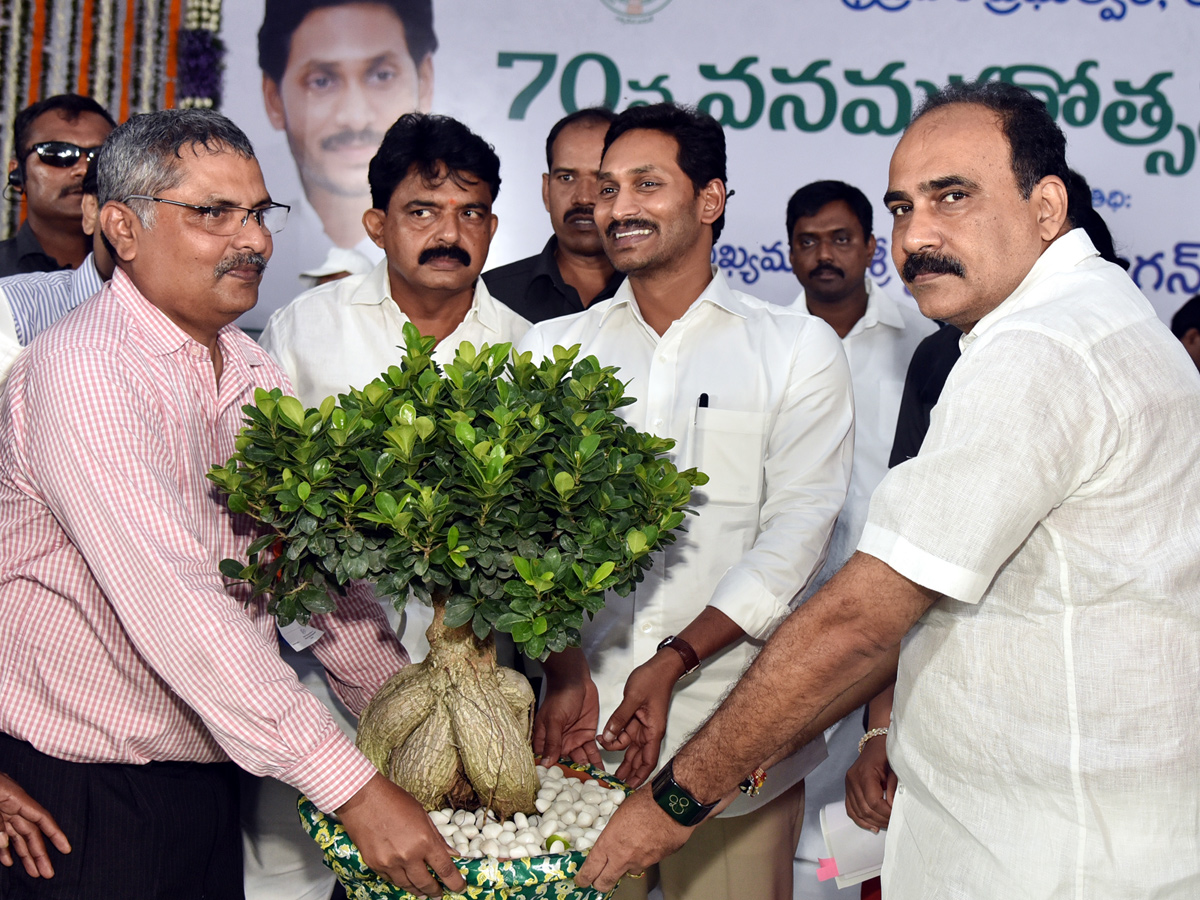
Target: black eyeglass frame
51	153
258	214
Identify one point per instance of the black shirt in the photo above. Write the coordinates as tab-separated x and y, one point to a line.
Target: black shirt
927	373
23	253
534	288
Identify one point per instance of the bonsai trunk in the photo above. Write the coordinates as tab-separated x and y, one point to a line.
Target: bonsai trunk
454	730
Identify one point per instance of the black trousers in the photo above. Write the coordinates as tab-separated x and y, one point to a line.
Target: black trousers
160	831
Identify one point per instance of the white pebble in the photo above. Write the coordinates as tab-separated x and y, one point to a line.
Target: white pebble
592	834
541	772
528	838
561	806
468	831
492	830
617	796
439	817
447	829
567	818
480	818
574	831
547	827
584	819
461	817
542	804
554	773
509	826
558	847
600	822
491	814
476	842
520	821
490	848
462	849
606	808
505	838
584	844
518	851
593	798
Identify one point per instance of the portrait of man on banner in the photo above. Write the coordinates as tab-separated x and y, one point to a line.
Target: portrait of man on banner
335	76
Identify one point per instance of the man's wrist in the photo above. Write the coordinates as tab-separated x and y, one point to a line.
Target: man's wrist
676	800
682	651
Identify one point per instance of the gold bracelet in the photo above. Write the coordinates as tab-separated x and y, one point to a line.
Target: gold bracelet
874	732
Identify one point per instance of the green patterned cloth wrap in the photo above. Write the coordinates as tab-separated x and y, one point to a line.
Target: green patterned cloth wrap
551	876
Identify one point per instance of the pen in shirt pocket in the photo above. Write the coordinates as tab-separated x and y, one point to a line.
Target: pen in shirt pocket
701	403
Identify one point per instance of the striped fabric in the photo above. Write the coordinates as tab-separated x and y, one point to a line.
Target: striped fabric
119	641
39	299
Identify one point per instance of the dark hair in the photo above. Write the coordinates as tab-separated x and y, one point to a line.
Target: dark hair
430	142
281	18
142	156
699	136
1082	214
72	106
1037	145
812	198
595	114
1186	318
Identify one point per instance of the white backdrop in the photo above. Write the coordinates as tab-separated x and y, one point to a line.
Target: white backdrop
807	89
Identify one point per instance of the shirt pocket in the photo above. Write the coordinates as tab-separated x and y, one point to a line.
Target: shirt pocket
730	445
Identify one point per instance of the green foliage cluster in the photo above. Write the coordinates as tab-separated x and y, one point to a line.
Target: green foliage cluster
511	490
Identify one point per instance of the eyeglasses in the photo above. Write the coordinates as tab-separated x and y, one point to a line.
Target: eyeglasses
225	220
62	155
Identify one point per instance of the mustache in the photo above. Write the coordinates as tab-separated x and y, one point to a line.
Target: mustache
827	267
615	226
575	212
256	260
931	264
451	252
348	138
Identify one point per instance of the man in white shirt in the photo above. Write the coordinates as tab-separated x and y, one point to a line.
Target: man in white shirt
831	247
433	183
1041	553
758	397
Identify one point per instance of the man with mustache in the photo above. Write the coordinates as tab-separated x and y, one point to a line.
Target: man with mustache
55	139
433	183
831	248
336	75
758	397
572	271
132	672
1040	557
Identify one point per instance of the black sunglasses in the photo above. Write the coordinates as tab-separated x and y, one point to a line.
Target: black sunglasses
62	155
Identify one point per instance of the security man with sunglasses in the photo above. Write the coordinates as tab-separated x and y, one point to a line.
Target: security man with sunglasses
55	139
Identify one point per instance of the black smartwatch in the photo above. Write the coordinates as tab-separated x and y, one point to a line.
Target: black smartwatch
677	802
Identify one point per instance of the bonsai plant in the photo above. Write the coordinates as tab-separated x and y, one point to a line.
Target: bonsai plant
507	494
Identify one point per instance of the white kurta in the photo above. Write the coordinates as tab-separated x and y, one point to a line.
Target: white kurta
1045	727
878	349
775	439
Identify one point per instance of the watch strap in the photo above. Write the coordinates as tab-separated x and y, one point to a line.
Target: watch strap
691	660
676	801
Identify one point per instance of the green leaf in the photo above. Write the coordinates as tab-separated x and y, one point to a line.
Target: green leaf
635	541
317	601
459	611
291	411
231	568
564	483
261	543
509	620
522	631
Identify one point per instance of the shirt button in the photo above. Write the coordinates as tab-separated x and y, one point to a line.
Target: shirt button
647	628
658	423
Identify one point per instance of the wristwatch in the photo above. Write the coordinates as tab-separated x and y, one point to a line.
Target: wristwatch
691	660
676	801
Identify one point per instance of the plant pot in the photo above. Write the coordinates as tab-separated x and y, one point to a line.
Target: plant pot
549	876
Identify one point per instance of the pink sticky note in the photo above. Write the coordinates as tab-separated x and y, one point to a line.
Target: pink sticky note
826	869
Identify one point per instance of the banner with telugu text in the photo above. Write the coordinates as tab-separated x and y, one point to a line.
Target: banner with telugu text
807	89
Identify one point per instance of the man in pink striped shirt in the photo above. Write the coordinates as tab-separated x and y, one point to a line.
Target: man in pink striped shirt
130	672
